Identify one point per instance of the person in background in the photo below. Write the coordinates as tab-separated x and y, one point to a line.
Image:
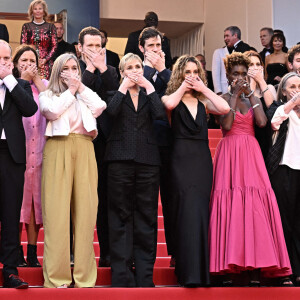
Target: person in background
245	230
62	46
276	63
40	34
150	44
133	176
294	59
100	78
112	58
16	102
188	99
132	46
69	175
78	54
266	93
285	48
4	33
25	62
208	74
265	36
283	163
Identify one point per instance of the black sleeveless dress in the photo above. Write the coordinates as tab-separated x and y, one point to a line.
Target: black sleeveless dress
275	69
191	171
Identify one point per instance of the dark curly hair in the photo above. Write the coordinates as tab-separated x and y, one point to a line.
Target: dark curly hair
236	59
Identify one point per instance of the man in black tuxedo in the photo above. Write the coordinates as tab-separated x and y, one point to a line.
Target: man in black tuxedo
150	44
16	102
100	78
62	46
132	46
112	58
232	39
265	35
4	33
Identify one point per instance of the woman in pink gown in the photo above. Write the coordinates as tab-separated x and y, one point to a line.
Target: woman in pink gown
26	67
245	232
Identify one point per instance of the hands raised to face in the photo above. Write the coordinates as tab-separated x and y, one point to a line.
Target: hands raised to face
6	69
239	86
155	60
95	58
28	72
193	83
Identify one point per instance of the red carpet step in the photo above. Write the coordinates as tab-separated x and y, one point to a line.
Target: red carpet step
163	293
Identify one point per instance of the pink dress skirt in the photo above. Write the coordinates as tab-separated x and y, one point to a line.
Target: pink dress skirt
245	230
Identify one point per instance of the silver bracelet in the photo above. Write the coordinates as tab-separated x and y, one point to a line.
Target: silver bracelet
255	105
250	94
267	88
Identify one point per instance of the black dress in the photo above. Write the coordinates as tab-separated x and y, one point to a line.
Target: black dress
275	69
191	170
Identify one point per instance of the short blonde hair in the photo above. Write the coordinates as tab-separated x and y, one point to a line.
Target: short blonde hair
126	58
31	6
56	85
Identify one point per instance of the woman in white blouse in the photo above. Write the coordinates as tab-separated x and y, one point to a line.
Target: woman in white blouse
69	178
284	163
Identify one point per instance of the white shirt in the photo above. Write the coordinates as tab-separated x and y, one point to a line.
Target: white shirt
291	153
8	82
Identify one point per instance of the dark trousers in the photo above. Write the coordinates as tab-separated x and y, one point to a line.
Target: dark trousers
11	195
165	195
132	216
286	185
102	217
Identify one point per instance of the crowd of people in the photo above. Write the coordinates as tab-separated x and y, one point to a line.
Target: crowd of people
88	139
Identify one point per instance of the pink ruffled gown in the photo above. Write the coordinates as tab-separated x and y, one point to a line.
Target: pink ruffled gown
245	230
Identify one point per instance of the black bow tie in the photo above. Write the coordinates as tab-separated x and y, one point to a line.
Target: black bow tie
230	49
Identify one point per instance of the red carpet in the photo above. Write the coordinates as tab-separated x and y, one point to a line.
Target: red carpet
164	277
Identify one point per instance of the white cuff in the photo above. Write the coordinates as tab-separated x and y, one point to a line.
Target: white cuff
10	82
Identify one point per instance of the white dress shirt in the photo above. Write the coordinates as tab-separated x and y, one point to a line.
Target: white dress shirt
8	82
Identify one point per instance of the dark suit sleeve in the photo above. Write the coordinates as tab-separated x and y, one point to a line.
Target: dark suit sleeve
110	79
167	51
132	43
23	99
156	106
4	33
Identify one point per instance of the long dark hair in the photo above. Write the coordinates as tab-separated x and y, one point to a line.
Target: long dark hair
18	53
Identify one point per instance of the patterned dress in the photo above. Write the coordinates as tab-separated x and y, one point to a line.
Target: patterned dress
43	37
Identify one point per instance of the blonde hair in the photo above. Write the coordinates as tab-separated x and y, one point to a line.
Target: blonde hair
126	58
31	6
178	74
56	85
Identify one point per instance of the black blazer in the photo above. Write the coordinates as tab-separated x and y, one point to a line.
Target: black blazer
101	83
18	103
4	33
113	60
132	136
132	46
242	47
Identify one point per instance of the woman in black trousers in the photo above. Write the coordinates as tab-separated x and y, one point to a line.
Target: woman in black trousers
133	176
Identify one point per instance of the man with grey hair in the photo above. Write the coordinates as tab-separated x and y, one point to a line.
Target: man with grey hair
232	39
265	35
16	102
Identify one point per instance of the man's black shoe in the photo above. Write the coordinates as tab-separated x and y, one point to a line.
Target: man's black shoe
14	281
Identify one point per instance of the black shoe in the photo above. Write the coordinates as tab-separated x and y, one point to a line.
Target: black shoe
32	260
21	260
14	281
104	262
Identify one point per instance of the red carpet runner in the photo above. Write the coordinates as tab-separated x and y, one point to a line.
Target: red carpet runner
164	277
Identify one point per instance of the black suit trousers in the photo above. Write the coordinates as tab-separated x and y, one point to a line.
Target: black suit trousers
11	196
132	215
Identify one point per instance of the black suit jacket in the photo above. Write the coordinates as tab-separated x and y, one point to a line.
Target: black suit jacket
132	46
63	47
242	47
112	59
101	83
4	33
18	103
132	136
263	54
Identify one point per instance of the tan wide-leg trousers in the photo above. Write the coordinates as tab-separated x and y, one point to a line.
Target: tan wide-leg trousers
69	180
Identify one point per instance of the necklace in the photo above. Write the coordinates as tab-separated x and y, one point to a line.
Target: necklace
134	95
